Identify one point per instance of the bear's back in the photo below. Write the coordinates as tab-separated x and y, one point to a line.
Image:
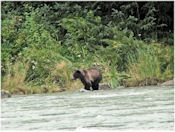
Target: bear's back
94	74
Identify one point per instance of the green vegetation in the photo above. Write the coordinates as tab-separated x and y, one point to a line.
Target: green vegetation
44	42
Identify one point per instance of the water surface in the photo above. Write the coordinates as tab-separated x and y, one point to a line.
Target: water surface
116	109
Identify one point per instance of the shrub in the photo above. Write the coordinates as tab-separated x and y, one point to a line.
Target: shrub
82	35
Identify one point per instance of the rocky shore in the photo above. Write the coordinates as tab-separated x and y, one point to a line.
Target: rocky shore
168	83
102	86
5	94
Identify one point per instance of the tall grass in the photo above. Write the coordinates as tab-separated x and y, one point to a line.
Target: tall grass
60	77
146	70
14	80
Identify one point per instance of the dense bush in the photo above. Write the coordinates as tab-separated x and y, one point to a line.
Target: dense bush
52	39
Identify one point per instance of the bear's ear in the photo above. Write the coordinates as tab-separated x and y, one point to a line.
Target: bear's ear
78	71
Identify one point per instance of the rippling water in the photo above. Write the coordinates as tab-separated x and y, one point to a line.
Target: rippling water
116	109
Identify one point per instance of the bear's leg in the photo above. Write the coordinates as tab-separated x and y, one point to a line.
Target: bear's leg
87	87
95	86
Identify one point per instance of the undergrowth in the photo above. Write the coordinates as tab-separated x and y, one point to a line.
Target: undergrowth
41	48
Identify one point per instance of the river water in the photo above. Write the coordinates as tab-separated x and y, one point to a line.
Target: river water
116	109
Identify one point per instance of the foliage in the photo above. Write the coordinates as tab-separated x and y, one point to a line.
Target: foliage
52	39
155	64
123	45
12	39
83	34
165	57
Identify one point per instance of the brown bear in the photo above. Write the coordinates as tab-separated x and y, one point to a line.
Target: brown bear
89	78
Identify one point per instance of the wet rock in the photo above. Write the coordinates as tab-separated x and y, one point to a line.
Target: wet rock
104	86
5	94
168	83
120	87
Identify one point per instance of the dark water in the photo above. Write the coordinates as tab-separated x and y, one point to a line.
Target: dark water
116	109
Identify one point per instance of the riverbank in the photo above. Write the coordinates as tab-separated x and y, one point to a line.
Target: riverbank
102	86
57	45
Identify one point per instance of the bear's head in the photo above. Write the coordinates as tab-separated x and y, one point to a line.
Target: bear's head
77	74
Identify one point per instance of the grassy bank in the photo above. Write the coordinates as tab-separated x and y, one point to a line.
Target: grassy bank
143	71
43	43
